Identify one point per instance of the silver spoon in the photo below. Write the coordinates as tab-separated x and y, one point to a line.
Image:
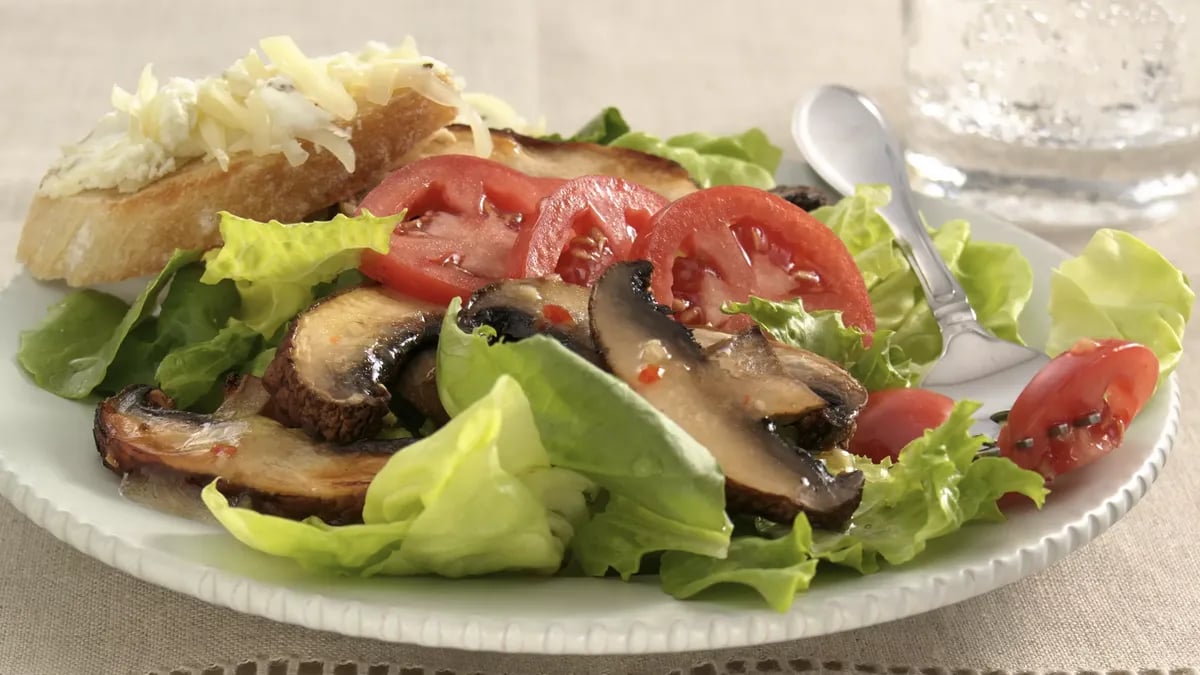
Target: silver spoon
847	142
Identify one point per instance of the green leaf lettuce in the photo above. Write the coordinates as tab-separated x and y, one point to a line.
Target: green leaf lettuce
1119	287
748	158
997	278
276	265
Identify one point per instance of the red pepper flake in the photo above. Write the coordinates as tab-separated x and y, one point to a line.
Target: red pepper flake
557	314
650	374
334	339
224	450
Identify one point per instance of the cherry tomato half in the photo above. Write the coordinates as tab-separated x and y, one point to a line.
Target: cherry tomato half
1076	409
893	418
463	216
583	227
730	242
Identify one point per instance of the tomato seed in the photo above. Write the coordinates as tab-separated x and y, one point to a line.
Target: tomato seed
806	277
691	316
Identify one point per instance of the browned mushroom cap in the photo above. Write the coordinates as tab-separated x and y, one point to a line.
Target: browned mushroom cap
519	308
331	373
283	471
656	356
821	428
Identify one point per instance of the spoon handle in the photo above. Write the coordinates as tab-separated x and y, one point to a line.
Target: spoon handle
846	140
945	294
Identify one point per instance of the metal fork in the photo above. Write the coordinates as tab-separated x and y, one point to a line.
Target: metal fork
846	140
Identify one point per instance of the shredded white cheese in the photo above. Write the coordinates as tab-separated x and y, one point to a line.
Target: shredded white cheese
498	114
257	106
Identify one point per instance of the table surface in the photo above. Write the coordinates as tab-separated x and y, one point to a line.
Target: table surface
1128	601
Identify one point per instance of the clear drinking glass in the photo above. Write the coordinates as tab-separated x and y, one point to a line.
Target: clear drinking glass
1056	113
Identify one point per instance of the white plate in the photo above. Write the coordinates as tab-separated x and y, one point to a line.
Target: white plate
50	470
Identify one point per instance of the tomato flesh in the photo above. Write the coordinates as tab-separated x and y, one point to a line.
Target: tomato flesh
1078	406
730	242
583	227
893	418
462	217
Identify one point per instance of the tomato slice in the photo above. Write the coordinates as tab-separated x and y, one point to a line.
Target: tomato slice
583	227
893	418
463	216
729	242
1076	409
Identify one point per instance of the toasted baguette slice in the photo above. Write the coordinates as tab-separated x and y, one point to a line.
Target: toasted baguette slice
103	235
536	157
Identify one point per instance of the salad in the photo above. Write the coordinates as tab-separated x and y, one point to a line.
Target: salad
480	371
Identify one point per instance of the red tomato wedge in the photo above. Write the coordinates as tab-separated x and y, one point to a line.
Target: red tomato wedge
730	242
583	227
463	215
893	418
1076	409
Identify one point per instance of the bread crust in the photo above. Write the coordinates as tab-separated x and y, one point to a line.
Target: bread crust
99	236
551	159
103	235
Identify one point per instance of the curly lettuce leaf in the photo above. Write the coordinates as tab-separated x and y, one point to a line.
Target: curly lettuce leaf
276	265
70	352
477	497
663	491
1120	287
934	488
997	278
883	365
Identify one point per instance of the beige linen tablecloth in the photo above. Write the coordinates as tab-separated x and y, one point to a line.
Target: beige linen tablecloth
1129	601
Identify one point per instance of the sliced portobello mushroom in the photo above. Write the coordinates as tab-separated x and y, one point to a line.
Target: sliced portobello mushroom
332	372
657	356
282	471
759	382
520	308
820	428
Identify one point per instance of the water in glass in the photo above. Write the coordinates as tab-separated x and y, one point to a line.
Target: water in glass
1056	113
